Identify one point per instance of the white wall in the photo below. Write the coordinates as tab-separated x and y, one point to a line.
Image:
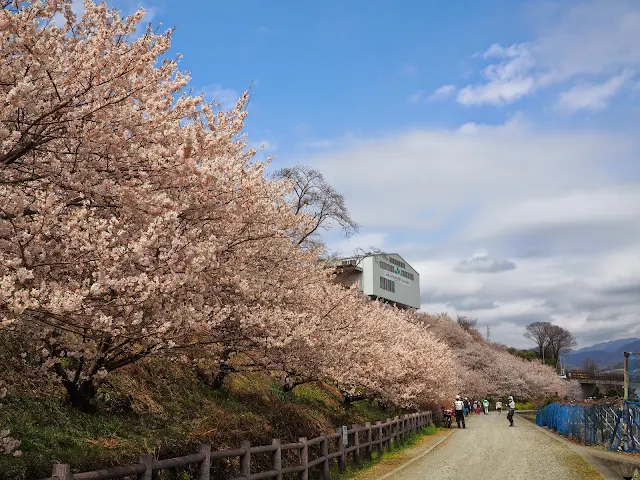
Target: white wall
407	291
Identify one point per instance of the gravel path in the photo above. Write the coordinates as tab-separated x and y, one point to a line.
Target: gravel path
488	449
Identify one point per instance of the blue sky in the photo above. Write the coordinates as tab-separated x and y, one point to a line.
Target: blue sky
323	69
491	133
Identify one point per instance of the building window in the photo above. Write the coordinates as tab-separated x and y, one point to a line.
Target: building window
386	266
397	263
388	285
349	262
407	275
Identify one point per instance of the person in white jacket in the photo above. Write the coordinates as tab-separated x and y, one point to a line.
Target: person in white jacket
512	410
458	407
499	407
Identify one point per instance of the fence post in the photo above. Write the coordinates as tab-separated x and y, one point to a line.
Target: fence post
61	471
379	435
277	458
369	441
325	455
245	462
394	432
204	470
147	461
356	443
390	432
341	448
304	458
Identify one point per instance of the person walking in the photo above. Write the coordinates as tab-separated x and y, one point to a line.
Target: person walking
512	410
458	406
499	407
485	406
466	406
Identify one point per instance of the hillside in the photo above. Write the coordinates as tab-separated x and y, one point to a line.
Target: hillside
605	354
163	408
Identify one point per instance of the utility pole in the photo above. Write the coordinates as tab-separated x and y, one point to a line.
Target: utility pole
626	375
488	333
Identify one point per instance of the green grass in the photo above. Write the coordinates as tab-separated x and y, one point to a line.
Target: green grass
526	405
528	416
353	471
163	408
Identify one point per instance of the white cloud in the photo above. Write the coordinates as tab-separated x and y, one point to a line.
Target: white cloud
483	263
592	96
442	92
587	41
497	91
604	207
562	205
450	168
506	81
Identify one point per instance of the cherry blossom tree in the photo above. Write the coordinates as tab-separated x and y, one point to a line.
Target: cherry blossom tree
134	221
487	369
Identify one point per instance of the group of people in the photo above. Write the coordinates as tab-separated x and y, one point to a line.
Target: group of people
475	406
463	407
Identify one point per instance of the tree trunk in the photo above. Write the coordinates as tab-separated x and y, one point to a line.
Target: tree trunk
223	370
349	399
81	394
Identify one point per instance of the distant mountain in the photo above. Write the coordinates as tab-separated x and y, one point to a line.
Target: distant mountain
611	346
605	354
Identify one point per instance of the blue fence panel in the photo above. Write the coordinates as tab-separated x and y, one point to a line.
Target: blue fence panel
627	435
604	424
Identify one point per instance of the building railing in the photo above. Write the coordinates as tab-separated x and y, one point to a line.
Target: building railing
611	377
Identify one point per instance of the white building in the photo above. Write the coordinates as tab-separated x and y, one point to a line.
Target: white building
382	275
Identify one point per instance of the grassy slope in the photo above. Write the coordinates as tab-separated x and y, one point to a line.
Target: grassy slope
165	409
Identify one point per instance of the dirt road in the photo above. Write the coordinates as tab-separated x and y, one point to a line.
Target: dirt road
488	449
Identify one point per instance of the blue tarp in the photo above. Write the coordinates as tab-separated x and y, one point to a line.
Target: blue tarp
605	424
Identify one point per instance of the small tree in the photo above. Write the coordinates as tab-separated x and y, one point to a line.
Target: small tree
560	340
539	332
467	323
313	197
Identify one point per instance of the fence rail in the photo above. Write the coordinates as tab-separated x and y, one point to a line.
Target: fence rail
351	444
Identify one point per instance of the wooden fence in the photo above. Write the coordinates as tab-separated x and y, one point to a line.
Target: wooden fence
314	456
